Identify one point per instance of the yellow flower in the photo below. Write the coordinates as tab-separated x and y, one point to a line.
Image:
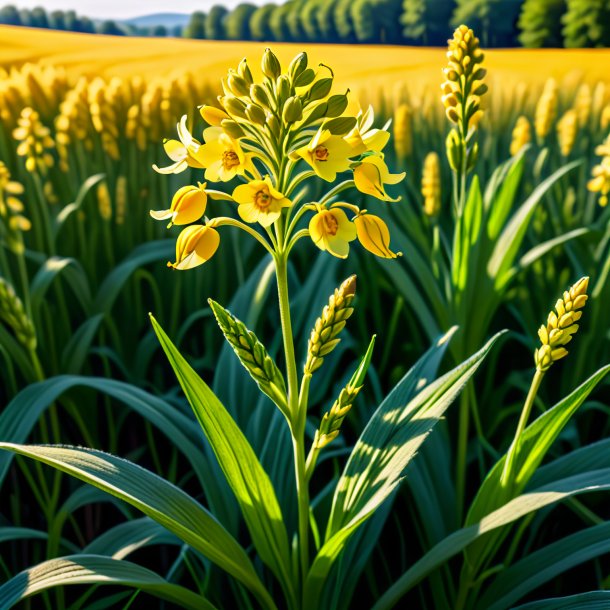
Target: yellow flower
371	174
260	202
183	153
374	235
188	205
522	135
34	141
331	230
223	156
195	245
327	154
213	116
600	182
363	137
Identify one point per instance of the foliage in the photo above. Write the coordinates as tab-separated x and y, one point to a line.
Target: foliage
540	23
586	24
504	223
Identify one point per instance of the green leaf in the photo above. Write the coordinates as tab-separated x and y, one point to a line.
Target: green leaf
598	480
593	600
69	209
126	538
540	567
392	437
242	469
112	285
467	230
156	498
538	251
76	350
589	457
51	269
390	440
20	533
92	569
500	202
536	440
23	412
509	241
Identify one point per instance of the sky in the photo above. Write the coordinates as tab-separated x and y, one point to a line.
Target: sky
121	9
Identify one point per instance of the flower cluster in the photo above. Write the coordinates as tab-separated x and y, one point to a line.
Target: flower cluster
12	220
561	325
273	136
600	183
521	135
35	142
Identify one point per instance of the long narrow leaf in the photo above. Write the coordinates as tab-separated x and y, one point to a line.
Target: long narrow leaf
545	564
92	569
246	476
390	440
156	498
598	480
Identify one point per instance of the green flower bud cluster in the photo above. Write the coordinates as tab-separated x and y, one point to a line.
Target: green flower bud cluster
13	313
252	354
282	101
330	426
324	336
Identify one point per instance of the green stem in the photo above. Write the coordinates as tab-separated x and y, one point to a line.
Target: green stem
461	461
297	412
507	474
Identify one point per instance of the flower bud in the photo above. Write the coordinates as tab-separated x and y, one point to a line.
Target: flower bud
455	150
297	66
259	95
234	106
212	116
244	71
237	85
256	114
283	90
293	110
231	128
270	65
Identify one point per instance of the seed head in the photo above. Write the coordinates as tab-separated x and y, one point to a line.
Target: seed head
561	325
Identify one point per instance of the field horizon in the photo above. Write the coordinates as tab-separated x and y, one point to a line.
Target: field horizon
356	65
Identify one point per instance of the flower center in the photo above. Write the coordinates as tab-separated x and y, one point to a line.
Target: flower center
331	226
321	153
262	199
229	159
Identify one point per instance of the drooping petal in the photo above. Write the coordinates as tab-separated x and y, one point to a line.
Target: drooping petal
195	245
175	150
213	116
174	168
374	235
161	214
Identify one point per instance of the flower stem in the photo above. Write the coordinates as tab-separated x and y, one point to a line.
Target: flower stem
507	474
298	413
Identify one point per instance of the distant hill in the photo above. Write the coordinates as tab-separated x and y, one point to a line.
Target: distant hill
169	20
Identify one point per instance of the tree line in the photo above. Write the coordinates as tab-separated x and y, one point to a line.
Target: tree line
69	21
499	23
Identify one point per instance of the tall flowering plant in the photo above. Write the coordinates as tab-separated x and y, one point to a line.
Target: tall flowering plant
274	137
